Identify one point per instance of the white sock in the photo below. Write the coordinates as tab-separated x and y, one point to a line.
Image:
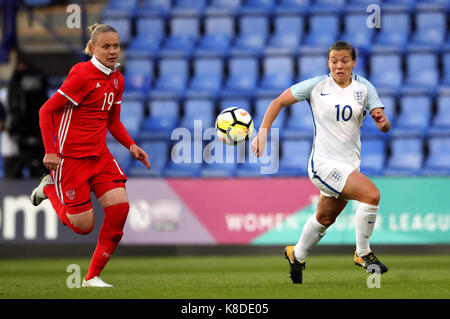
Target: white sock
365	218
312	233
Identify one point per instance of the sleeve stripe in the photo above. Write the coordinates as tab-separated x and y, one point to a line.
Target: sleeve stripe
117	102
68	97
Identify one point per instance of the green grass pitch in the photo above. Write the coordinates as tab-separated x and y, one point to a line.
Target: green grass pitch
229	277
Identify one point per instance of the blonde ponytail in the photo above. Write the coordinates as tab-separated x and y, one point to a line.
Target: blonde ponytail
94	30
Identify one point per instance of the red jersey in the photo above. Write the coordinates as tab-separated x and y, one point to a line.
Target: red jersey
91	104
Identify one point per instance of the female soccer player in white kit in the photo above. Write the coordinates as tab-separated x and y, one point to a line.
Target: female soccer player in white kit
339	102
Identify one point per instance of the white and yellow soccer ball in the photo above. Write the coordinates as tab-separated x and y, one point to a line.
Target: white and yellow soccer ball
234	125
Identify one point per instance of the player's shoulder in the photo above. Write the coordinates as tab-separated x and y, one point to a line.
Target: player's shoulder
362	81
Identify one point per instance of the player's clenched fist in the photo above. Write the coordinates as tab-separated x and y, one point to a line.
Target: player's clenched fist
51	161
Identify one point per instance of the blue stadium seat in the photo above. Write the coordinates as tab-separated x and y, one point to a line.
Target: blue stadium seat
252	36
422	70
369	129
294	157
163	119
312	65
395	31
323	30
201	110
138	75
36	3
438	159
219	30
386	70
373	156
292	6
172	79
223	7
152	8
431	28
123	27
120	9
150	32
356	31
184	33
300	122
185	161
261	105
220	159
414	117
250	7
243	75
207	79
446	68
189	8
335	7
121	154
440	125
406	157
288	34
361	65
236	102
278	75
158	155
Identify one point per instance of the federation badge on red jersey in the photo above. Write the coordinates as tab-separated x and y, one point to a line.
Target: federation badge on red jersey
70	194
116	83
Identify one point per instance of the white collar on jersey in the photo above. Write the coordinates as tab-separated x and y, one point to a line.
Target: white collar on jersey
103	68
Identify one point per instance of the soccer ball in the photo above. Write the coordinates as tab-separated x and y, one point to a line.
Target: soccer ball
234	125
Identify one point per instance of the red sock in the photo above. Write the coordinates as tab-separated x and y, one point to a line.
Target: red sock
109	237
61	210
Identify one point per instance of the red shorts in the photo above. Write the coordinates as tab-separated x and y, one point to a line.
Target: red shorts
76	177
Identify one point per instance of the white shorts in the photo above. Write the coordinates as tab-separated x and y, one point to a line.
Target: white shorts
329	176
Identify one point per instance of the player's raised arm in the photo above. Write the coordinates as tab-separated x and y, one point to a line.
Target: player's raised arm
286	98
380	119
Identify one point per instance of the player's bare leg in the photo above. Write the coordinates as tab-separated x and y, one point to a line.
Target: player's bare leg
362	189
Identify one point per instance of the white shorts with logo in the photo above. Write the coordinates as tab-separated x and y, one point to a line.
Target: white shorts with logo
329	176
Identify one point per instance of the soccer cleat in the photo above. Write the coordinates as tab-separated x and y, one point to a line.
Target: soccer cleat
37	195
296	266
370	262
95	282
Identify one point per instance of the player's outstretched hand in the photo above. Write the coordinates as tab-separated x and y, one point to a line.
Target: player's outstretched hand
139	154
51	161
380	119
259	143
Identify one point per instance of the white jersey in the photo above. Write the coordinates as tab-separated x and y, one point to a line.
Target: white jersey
338	114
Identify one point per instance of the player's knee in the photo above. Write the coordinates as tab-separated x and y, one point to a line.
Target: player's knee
326	221
373	197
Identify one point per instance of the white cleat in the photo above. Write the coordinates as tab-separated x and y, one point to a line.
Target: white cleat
95	282
37	196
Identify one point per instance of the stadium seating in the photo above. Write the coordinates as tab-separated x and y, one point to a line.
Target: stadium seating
406	157
219	31
189	59
438	160
163	119
373	157
294	157
138	76
172	79
414	117
150	32
207	78
440	125
158	154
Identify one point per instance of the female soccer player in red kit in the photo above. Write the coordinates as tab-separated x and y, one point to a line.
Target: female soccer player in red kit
74	123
